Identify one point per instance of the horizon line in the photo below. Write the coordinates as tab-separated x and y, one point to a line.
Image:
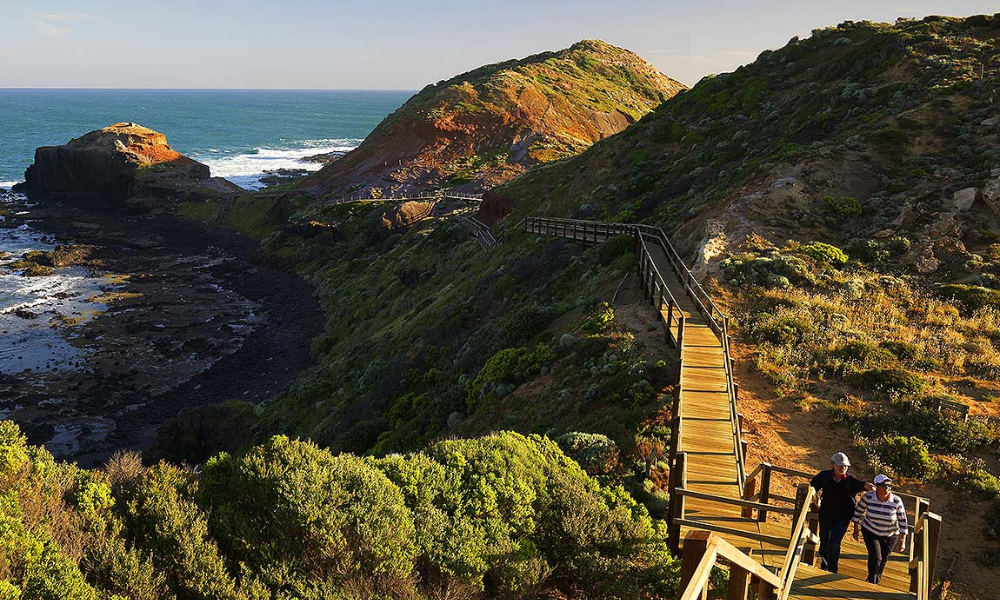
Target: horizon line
205	89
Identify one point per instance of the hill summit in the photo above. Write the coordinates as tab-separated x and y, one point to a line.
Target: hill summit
489	125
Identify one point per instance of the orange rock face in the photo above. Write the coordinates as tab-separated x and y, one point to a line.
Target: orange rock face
107	162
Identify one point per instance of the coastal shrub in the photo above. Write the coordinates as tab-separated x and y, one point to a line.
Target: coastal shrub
615	248
824	253
508	367
33	562
943	432
863	354
596	453
972	297
163	518
843	206
507	512
779	329
892	383
13	449
294	504
906	456
774	271
600	320
901	350
973	476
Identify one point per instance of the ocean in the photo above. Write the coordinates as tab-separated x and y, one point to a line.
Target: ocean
238	133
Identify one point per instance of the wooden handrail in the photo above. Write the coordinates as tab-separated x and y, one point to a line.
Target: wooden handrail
774	540
702	551
805	475
784	510
804	497
926	532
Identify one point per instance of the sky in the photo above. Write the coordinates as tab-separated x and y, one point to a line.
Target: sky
392	44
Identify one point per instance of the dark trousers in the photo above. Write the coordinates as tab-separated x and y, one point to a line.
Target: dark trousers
831	534
879	547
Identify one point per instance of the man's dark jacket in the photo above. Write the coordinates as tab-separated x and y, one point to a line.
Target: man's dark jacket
838	497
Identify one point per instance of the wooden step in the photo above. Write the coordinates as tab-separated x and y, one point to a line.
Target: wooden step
815	584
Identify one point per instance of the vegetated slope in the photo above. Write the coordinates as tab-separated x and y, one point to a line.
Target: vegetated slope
504	516
845	191
489	125
426	330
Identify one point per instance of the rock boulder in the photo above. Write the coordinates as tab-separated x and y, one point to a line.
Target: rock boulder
119	162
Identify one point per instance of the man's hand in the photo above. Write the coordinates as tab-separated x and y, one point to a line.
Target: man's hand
854	534
869	487
902	545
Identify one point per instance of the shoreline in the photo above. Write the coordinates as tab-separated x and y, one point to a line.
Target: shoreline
200	321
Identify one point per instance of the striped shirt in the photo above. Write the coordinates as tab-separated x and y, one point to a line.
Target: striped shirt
881	518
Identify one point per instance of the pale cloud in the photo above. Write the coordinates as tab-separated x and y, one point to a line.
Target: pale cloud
58	24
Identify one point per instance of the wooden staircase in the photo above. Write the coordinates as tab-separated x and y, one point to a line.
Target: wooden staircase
712	498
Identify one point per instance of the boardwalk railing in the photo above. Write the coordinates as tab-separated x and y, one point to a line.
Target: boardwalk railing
701	553
923	552
403	197
480	231
655	289
917	507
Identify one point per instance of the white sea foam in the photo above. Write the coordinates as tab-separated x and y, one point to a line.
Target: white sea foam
246	170
37	339
8	184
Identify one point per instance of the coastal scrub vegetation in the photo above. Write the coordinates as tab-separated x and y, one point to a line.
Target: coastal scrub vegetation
446	335
503	516
847	185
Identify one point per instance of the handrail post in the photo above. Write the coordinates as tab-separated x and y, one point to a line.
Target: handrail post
679	477
739	579
801	491
749	488
652	279
765	491
680	331
695	548
659	303
670	320
809	550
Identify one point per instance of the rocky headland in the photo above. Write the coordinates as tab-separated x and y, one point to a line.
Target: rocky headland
481	128
124	162
186	314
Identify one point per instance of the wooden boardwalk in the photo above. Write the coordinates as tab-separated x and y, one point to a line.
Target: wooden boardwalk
705	430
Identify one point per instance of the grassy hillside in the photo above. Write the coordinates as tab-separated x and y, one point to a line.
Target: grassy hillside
843	193
489	125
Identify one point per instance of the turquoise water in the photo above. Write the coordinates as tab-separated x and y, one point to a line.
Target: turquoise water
238	133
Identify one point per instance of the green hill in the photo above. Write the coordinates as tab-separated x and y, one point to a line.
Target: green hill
484	127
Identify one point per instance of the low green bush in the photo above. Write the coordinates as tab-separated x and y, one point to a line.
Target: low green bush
865	354
944	432
824	253
773	271
504	371
973	297
901	350
906	456
892	383
595	452
780	330
843	206
600	320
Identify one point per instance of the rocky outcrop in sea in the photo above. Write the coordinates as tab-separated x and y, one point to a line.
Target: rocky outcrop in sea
124	162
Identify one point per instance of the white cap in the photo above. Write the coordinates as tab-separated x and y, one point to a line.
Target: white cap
880	479
840	459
